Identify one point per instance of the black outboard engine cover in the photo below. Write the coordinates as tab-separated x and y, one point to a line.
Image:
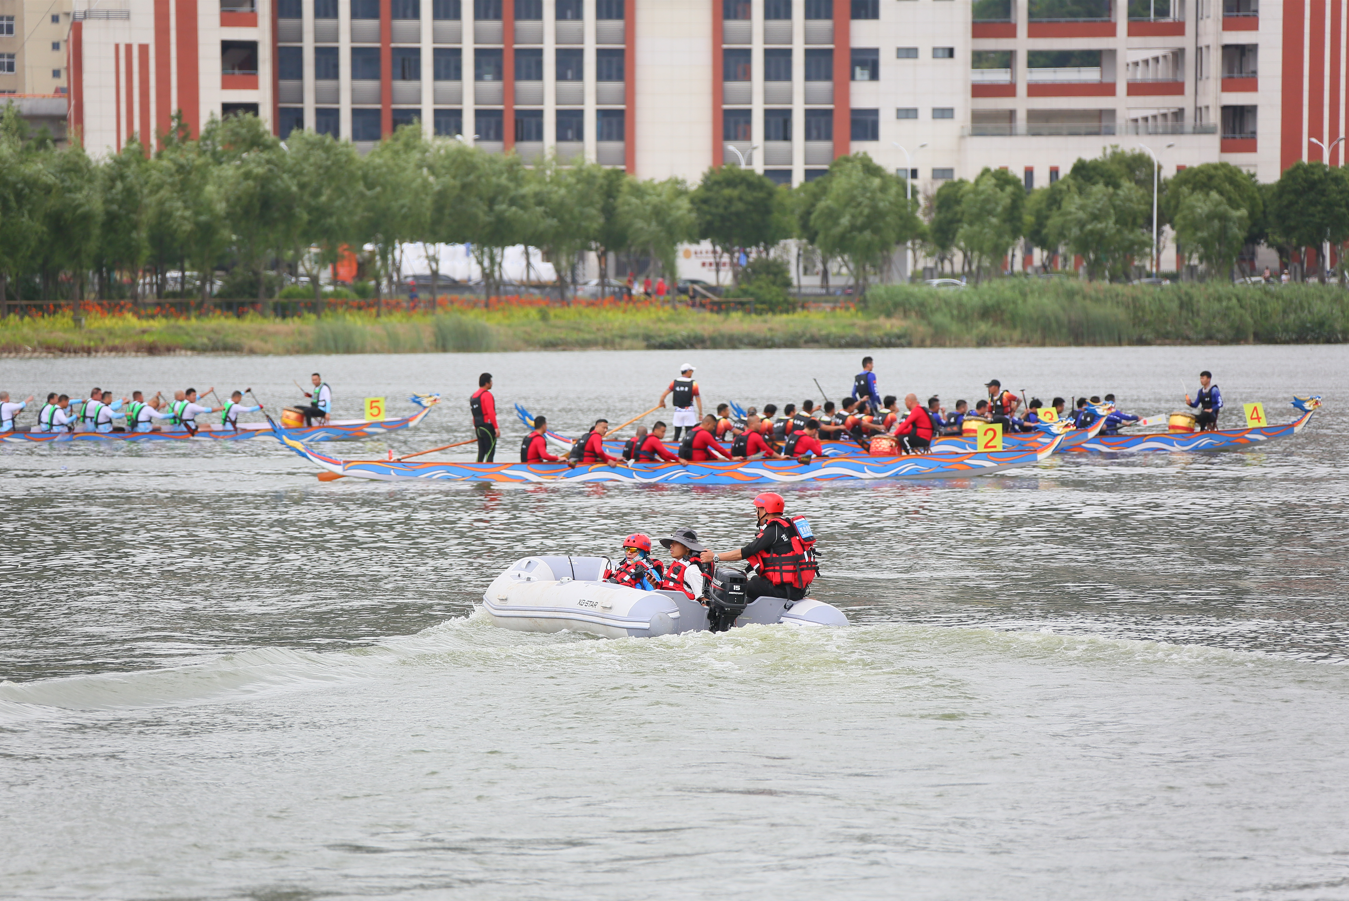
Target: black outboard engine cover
726	599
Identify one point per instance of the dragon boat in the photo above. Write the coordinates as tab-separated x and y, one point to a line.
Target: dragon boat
940	465
555	594
1220	439
339	430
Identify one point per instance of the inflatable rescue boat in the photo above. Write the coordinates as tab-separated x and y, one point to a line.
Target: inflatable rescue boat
552	594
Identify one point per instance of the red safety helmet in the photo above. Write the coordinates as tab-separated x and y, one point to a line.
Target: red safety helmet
772	503
639	541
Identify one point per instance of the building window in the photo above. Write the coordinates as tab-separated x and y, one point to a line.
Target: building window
866	125
56	73
325	9
571	125
529	10
290	63
407	64
447	11
238	109
819	9
735	65
943	174
819	65
570	65
609	65
609	10
819	125
6	26
405	9
943	53
812	174
779	176
327	121
777	125
777	65
737	125
487	10
364	64
529	125
906	112
1053	174
943	112
529	64
866	9
237	58
906	53
735	10
56	45
609	124
569	11
777	10
487	65
1030	179
289	9
405	116
325	64
1238	121
56	18
365	125
364	9
487	123
447	64
866	64
448	122
911	175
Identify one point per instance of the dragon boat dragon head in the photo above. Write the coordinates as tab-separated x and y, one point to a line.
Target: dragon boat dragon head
1307	404
425	400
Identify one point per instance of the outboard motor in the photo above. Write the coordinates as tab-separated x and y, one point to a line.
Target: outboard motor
726	598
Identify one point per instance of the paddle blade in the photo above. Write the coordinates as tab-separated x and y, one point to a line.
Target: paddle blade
327	476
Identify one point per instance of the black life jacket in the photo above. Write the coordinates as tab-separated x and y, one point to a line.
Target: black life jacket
861	385
792	442
740	445
1204	397
644	455
526	443
781	429
840	417
791	561
682	396
799	421
686	445
475	407
630	448
578	448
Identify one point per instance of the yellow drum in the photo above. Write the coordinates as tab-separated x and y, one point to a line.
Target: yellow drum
1181	422
970	427
883	446
292	418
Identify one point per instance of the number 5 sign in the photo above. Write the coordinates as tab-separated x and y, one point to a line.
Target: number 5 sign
989	436
1255	415
374	408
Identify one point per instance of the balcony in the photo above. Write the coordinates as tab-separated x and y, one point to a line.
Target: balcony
244	14
239	65
325	31
447	93
610	31
238	80
447	31
1237	143
992	83
819	31
1156	87
1154	28
993	19
406	31
571	93
1069	81
530	32
778	93
819	93
365	31
610	93
488	32
1240	83
569	31
611	153
777	31
735	93
1241	15
365	92
488	93
736	31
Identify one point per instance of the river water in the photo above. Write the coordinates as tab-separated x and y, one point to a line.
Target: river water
1096	678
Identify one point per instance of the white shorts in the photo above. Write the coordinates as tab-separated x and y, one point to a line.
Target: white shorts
684	418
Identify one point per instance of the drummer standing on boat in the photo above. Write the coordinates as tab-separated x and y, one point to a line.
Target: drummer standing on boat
484	409
686	397
1208	400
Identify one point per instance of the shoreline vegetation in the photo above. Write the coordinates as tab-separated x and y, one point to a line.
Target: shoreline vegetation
1003	313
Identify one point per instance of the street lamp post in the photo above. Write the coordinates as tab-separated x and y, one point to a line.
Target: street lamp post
908	198
1326	151
745	161
1156	172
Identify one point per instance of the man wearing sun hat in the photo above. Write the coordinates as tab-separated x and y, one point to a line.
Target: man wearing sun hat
686	397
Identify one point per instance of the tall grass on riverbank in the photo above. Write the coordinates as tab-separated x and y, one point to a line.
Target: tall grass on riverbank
1009	312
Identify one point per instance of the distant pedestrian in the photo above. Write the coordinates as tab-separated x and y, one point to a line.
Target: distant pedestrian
646	286
660	289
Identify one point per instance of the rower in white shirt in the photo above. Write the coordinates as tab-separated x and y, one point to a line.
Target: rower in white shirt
91	415
233	407
55	416
9	411
140	415
187	412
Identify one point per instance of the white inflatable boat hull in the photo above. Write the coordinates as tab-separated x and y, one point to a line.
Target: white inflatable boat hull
553	594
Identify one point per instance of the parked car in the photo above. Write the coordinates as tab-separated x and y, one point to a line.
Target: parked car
1150	280
944	282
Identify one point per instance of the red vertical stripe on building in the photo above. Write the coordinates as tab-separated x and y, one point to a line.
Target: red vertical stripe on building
130	92
75	66
386	66
163	67
1290	125
1336	22
842	78
147	136
630	86
276	73
189	78
507	74
1316	80
117	91
718	77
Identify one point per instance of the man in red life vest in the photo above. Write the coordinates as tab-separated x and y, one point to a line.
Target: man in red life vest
700	445
782	557
593	450
1001	404
484	409
916	429
652	447
749	444
534	449
805	443
637	570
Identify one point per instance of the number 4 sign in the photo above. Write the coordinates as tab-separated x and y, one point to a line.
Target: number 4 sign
374	408
990	436
1255	415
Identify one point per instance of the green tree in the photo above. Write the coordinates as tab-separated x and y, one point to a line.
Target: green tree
23	191
329	197
945	220
394	208
123	245
1041	205
1102	225
569	204
1308	205
613	236
660	217
70	219
992	213
738	209
493	205
1209	227
863	216
803	201
1238	188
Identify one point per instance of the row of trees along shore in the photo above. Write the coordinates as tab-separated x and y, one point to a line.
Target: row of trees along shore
238	198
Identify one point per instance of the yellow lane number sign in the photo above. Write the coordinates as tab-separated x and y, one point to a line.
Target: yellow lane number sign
1047	414
374	408
990	436
1255	415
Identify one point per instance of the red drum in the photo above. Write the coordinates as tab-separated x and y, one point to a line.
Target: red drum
884	446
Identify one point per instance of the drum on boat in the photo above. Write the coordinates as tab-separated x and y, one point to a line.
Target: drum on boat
292	418
883	446
969	428
1182	421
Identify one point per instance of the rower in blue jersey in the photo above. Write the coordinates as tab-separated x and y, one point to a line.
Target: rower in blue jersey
864	385
1116	418
1209	402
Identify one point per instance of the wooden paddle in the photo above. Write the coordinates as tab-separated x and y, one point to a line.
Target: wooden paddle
616	430
327	476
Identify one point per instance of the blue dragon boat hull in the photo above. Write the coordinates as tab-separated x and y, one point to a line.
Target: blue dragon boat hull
1183	442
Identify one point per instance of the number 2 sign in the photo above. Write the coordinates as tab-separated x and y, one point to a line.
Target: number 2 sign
374	408
1255	415
989	436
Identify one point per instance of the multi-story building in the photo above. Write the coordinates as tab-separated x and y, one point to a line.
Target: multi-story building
33	46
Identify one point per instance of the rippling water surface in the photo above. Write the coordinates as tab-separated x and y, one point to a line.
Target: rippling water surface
1096	678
